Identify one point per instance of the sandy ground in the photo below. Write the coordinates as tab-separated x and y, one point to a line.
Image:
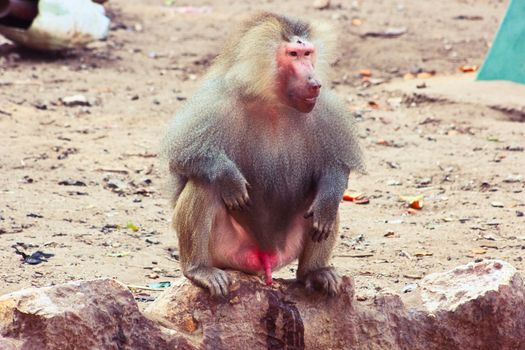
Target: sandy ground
459	156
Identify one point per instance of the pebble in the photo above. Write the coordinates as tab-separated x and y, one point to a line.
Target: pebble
513	179
75	100
321	4
409	288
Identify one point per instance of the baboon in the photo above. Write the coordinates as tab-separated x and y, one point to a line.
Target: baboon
259	159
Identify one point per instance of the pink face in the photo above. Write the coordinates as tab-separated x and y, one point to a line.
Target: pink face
297	85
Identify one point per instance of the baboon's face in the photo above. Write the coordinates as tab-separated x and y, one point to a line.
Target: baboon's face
298	86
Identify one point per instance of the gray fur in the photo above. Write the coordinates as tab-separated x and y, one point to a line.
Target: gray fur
302	155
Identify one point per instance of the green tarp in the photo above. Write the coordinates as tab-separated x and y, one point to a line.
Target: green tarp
506	58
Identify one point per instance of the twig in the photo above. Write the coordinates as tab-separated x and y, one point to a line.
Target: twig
117	171
354	255
143	155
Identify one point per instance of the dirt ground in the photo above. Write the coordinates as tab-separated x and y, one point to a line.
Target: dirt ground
465	159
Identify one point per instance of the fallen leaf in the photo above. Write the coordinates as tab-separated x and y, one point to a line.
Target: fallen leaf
468	68
479	251
365	73
373	104
389	234
351	196
415	202
425	75
356	22
422	254
132	227
414	277
416	205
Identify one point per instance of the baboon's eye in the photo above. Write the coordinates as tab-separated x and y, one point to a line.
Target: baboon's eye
293	53
307	53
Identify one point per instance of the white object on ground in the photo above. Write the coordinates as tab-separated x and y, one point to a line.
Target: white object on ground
62	24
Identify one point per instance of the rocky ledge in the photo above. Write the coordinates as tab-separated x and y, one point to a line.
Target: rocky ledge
475	306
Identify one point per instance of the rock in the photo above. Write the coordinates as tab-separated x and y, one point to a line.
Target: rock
387	33
477	306
99	314
321	4
75	100
513	179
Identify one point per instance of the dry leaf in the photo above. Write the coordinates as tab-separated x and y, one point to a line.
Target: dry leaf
425	75
356	22
422	254
415	202
351	196
468	69
365	73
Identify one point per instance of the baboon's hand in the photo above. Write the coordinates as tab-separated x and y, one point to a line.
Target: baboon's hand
325	280
211	278
234	192
324	213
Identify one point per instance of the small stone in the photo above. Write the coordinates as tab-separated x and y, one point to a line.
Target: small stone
75	100
513	179
424	181
116	184
409	288
71	182
321	4
497	204
152	241
394	183
394	102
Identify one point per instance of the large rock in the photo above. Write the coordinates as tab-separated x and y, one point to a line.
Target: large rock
99	314
477	306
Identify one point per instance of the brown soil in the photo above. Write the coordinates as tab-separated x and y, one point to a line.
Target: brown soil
454	154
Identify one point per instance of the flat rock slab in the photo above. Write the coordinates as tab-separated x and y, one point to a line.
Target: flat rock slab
504	96
477	306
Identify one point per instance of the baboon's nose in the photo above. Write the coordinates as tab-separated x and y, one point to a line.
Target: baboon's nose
314	85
